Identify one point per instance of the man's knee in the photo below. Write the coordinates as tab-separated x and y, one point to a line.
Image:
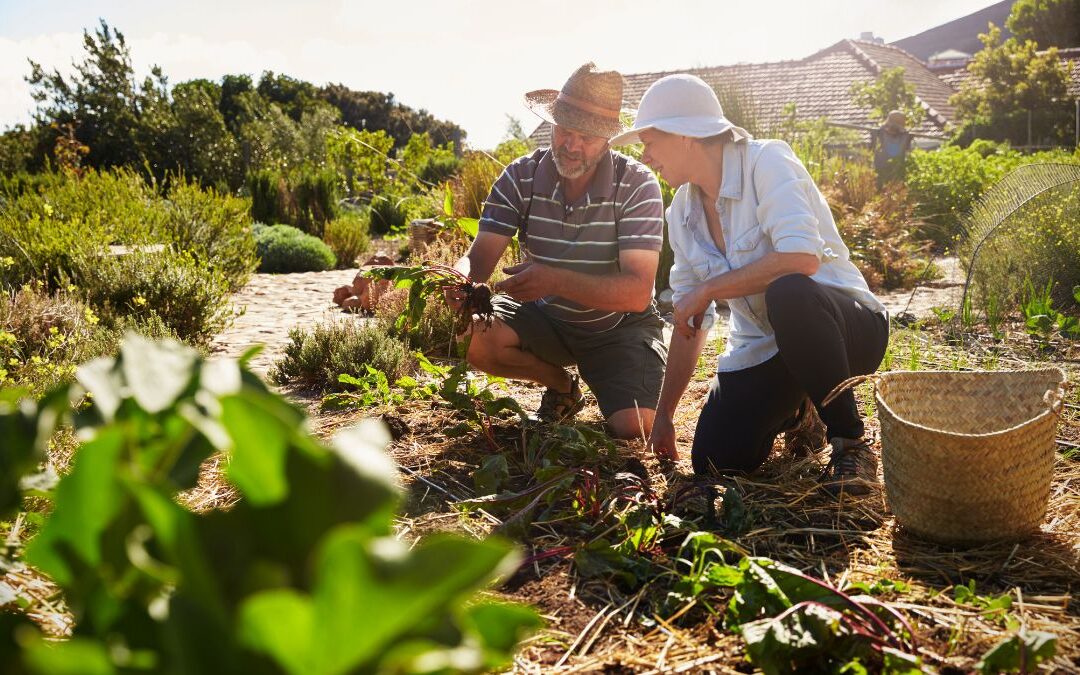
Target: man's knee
631	423
485	341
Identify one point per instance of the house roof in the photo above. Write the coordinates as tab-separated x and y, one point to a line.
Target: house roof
818	84
962	33
1070	58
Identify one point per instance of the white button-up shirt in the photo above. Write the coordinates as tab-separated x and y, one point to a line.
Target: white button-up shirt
767	202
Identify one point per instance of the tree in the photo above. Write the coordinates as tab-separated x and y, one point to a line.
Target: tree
373	110
17	149
1050	23
889	92
101	101
1014	93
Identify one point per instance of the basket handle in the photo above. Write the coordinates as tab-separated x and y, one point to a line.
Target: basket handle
848	384
1055	398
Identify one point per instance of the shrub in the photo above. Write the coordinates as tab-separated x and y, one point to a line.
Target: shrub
473	183
44	335
347	236
188	298
282	248
215	228
1038	246
305	197
317	357
389	213
58	227
945	183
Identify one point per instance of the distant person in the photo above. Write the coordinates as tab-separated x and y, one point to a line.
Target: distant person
748	226
890	144
591	223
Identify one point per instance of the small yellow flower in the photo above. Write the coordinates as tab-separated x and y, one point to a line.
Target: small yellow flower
139	300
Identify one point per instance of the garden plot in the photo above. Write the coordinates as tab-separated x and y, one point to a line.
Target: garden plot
637	566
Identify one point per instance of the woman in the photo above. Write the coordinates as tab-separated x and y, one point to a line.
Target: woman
749	227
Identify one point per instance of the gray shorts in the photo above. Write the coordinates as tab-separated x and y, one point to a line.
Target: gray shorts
623	367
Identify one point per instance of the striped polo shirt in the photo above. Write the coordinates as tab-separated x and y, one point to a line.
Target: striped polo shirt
622	209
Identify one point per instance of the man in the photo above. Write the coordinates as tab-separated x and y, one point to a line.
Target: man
590	223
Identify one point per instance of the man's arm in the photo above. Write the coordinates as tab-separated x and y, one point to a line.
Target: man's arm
630	290
483	255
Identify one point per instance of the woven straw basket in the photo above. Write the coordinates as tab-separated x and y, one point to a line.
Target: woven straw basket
968	456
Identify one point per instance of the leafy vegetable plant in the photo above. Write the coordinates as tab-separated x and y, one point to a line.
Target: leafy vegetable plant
303	575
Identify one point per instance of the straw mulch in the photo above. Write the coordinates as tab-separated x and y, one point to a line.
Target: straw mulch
778	512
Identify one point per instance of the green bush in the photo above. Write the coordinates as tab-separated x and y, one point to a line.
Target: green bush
303	575
347	236
44	335
215	228
57	227
875	224
187	297
945	183
305	197
317	357
283	248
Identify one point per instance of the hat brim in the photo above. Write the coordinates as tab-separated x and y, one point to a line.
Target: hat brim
545	104
694	127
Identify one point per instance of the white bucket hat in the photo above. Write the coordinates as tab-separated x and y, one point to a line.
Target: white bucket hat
680	104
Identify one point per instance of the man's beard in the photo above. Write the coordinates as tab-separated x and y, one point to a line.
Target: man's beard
583	167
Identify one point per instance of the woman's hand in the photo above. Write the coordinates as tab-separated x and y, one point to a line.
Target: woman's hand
662	438
691	307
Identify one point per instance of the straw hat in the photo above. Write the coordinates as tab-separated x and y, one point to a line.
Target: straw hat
589	102
680	104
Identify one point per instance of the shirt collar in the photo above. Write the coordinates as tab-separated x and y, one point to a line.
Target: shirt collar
731	185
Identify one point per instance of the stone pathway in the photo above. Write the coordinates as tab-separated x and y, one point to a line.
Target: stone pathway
272	304
275	303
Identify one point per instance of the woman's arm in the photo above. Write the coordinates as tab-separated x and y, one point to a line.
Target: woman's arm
683	353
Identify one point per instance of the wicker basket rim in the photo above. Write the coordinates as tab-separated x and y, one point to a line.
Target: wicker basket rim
881	402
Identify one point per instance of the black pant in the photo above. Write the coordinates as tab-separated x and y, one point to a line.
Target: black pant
824	337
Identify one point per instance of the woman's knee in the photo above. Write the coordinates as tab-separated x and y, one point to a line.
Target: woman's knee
734	452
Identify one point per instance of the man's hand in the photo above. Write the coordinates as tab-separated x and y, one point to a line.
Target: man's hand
662	439
528	281
692	307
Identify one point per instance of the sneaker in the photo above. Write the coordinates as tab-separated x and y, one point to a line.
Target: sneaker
852	468
557	406
806	433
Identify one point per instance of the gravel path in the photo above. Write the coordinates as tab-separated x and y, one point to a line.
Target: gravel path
274	303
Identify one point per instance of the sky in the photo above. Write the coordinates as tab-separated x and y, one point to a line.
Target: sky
466	61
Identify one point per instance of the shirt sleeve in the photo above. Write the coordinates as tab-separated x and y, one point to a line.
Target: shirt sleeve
504	205
785	210
682	279
641	214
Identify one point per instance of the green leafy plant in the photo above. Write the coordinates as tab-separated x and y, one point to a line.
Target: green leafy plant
424	281
303	575
1020	653
1041	319
993	607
